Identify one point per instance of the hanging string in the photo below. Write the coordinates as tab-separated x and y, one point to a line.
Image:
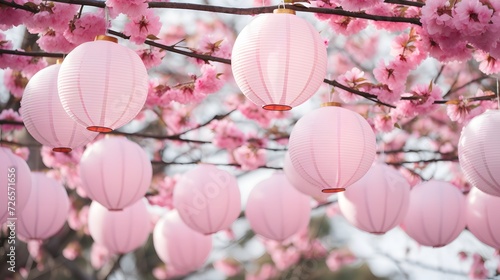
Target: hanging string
282	3
498	96
106	17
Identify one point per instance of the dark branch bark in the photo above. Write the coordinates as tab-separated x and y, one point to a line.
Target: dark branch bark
247	11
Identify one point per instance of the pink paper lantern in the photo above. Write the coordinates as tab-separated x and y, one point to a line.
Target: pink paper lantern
44	116
377	202
332	147
46	211
300	184
481	216
279	60
208	199
102	85
16	186
276	210
436	214
115	172
120	232
479	152
178	245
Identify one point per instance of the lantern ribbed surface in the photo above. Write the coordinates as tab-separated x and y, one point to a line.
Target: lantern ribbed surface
276	210
207	198
436	214
300	184
120	232
102	85
332	147
46	211
377	202
115	172
279	61
479	152
44	116
17	176
482	217
178	245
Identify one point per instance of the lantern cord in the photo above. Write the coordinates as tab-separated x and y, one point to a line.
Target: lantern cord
498	96
106	16
282	2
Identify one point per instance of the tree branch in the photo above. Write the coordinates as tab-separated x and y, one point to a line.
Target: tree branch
259	10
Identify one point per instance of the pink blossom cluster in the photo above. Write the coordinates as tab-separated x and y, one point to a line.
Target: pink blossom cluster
163	191
143	25
151	56
339	258
226	134
462	111
10	115
420	101
229	267
132	8
452	25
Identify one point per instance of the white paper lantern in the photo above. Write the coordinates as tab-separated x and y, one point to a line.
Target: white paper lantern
479	152
279	60
45	118
102	85
332	147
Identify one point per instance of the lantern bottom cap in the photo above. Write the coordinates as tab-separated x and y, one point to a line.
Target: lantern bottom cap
277	107
115	209
97	128
377	232
438	246
62	149
333	190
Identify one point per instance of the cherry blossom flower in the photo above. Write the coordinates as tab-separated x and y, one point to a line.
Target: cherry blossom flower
52	15
471	17
249	157
477	269
227	134
229	267
54	41
354	79
132	8
140	27
337	259
10	115
85	28
99	256
15	82
487	64
209	81
347	25
358	5
151	56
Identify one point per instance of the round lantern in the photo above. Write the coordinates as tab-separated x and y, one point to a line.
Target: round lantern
16	187
332	147
44	116
115	172
436	214
481	216
300	184
102	85
479	152
178	245
378	201
46	211
276	210
207	198
119	231
279	60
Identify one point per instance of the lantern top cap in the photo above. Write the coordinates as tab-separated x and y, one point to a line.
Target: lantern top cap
327	104
283	11
106	38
